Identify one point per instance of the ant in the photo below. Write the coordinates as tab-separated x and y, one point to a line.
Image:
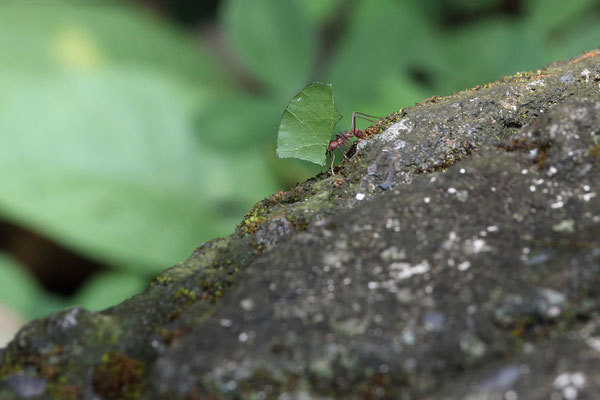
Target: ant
343	138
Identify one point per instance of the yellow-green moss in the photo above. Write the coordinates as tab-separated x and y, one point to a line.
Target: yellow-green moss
253	219
595	152
164	280
189	295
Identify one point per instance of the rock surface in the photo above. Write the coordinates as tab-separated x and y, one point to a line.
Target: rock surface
456	255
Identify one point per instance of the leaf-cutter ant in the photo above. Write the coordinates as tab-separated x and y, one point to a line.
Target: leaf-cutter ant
343	138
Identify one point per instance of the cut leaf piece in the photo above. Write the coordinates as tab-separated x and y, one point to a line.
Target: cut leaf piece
306	124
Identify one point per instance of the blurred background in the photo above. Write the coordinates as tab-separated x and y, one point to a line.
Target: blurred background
133	131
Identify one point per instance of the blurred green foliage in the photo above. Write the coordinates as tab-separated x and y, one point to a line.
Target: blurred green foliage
131	143
20	292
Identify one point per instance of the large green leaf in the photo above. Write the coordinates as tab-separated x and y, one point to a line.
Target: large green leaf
320	11
58	35
383	41
21	292
238	122
106	289
108	164
307	123
18	289
548	16
483	52
274	39
575	39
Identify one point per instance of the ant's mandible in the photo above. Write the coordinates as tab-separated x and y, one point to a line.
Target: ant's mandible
343	138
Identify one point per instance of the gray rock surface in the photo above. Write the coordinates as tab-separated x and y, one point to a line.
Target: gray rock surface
455	256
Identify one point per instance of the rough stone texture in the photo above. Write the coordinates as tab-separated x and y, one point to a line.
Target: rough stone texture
456	255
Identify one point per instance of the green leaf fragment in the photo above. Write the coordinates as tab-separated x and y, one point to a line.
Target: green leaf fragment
307	123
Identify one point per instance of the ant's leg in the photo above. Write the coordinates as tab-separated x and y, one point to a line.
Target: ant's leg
344	152
363	116
366	115
332	160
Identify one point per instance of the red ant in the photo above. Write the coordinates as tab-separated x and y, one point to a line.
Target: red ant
343	138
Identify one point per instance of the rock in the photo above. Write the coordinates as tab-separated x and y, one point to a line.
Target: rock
456	255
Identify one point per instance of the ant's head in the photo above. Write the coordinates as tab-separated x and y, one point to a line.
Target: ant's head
358	133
